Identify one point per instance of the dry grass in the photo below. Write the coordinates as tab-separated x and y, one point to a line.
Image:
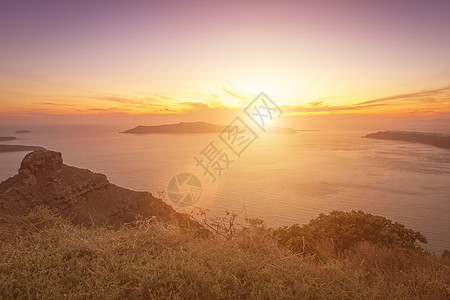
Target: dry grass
47	257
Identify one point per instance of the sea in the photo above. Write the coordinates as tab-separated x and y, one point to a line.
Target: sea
281	178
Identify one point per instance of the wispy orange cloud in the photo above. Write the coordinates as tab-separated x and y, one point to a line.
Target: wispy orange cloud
243	98
431	101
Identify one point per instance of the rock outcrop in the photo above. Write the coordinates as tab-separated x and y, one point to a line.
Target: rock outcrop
85	197
41	162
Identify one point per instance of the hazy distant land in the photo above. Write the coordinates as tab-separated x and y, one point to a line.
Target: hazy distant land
13	148
192	127
435	139
22	131
7	138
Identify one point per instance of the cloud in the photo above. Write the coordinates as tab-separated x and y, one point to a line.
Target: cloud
422	102
171	104
240	96
316	103
146	102
194	105
328	108
429	101
426	93
54	104
169	110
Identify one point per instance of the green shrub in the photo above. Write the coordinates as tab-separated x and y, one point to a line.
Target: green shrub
345	230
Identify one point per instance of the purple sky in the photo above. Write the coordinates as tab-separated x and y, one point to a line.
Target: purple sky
79	57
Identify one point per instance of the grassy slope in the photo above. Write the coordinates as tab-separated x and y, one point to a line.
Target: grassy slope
44	256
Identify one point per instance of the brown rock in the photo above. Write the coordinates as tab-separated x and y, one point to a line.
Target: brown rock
85	197
41	161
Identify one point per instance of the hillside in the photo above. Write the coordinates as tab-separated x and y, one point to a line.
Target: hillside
67	232
44	256
78	194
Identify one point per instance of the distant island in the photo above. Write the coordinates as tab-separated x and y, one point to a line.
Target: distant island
192	127
434	139
22	131
14	148
7	138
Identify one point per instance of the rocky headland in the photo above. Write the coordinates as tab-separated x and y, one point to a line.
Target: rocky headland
80	195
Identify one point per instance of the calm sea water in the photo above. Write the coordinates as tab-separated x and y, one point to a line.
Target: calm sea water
283	179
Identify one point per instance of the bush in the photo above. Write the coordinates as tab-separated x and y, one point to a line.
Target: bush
345	230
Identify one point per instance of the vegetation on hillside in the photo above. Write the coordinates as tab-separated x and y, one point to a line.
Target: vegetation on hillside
44	256
346	230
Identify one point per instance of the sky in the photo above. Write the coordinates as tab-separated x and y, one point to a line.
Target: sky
153	61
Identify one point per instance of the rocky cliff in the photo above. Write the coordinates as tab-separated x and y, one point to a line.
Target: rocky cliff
83	196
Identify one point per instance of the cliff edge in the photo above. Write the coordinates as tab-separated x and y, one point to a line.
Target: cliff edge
85	197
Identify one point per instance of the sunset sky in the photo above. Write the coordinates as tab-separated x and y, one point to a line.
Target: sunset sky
198	57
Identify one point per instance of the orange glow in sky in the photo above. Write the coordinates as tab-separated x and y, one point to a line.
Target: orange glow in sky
180	57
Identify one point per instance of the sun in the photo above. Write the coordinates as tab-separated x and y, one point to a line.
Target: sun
283	90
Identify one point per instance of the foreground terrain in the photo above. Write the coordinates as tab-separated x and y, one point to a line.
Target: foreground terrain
69	233
45	256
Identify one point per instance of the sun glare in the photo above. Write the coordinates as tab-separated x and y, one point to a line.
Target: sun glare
281	89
